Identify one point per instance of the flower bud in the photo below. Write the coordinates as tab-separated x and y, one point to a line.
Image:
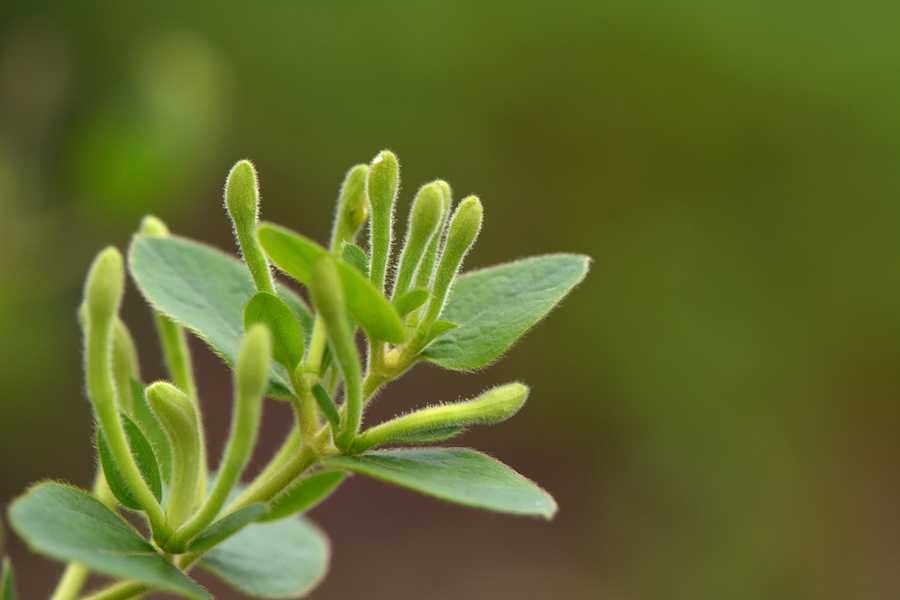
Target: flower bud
381	186
461	234
153	226
254	361
493	406
105	285
424	219
242	203
352	207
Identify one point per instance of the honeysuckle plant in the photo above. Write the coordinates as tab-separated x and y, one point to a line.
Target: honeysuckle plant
152	459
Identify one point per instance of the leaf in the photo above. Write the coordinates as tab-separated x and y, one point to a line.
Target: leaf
439	328
205	290
410	301
305	495
227	526
430	436
282	559
294	254
496	306
70	525
143	456
327	406
149	424
459	475
287	333
7	582
355	256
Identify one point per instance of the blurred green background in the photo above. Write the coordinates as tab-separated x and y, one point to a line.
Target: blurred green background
715	409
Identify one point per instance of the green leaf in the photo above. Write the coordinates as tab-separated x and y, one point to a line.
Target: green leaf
7	582
429	436
496	306
439	328
143	456
355	256
295	254
410	301
205	290
459	475
70	525
327	406
305	495
282	559
287	333
226	527
149	424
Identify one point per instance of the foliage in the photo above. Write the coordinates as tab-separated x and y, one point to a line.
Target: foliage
150	438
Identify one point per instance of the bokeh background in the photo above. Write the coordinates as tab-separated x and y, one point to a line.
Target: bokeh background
716	408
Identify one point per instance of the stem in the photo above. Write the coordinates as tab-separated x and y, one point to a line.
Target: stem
71	582
119	591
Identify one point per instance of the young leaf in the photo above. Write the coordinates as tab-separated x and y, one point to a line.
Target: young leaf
327	406
283	559
287	333
305	495
355	256
152	430
493	406
70	525
458	475
496	306
295	255
426	436
205	290
410	301
226	527
439	328
143	456
7	582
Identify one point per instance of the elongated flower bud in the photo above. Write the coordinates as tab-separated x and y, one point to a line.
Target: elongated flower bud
352	207
493	406
328	298
424	219
463	230
178	418
382	186
251	378
103	292
426	267
105	285
125	365
242	202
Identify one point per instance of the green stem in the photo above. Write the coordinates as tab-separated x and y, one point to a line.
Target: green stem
71	582
119	591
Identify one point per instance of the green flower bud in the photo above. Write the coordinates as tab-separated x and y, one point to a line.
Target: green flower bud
152	226
382	185
178	418
493	406
424	219
352	207
125	365
251	376
253	362
242	203
105	285
461	234
328	298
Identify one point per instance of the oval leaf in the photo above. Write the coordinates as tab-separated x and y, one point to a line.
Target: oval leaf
459	475
305	495
494	307
205	290
287	333
143	456
294	254
410	301
283	559
227	526
70	525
